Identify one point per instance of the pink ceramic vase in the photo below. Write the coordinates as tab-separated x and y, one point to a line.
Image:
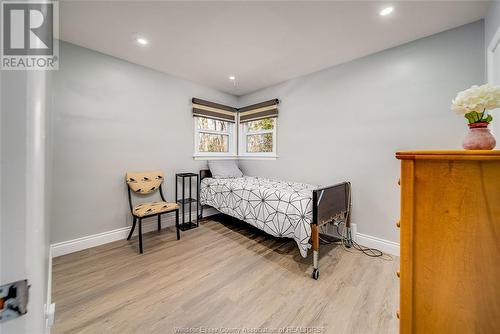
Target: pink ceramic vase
479	137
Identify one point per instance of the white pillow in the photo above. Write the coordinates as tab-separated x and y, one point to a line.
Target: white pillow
223	169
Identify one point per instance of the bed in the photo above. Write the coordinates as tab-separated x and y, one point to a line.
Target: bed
282	209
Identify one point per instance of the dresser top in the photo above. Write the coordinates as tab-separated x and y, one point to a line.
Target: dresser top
449	155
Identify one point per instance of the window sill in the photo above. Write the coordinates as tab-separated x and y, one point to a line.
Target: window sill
257	157
215	157
235	157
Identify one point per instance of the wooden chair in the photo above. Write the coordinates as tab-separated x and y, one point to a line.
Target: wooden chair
146	183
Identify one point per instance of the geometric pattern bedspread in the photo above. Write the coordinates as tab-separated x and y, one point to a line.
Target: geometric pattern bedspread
282	209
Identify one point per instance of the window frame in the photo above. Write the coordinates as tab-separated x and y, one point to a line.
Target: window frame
232	137
242	141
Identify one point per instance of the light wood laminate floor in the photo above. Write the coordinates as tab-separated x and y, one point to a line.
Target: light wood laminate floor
221	275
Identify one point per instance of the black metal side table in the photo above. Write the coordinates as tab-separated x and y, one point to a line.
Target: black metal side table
183	201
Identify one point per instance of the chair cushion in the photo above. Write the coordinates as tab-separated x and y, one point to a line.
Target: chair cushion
144	182
151	208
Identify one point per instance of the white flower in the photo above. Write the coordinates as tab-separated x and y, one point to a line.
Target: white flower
477	98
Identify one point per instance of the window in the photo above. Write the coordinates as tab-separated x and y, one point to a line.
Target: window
226	132
258	138
213	137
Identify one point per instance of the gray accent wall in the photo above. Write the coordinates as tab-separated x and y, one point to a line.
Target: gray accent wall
112	116
346	122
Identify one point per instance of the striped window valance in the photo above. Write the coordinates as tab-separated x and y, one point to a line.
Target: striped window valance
258	111
213	110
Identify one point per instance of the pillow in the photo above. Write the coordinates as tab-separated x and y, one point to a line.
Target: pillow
223	169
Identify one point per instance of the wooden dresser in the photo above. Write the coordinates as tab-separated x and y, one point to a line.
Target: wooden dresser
450	242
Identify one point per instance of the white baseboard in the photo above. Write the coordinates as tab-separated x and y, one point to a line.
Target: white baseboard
386	246
75	245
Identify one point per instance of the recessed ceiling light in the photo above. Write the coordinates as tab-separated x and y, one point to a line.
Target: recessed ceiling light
386	11
141	40
232	77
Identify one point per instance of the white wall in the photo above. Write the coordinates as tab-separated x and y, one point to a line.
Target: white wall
24	240
110	117
346	122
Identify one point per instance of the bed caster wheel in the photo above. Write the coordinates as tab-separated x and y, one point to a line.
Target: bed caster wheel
315	274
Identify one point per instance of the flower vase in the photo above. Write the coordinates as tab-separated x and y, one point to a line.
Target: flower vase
479	137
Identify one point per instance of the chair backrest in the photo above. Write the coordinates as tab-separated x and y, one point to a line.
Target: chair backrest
145	182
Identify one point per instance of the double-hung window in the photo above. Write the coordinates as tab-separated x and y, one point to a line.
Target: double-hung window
213	137
223	131
257	135
214	129
258	138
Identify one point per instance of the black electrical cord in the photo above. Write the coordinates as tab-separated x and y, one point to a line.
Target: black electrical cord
328	240
344	240
372	252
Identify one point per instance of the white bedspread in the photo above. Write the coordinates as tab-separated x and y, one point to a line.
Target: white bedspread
282	209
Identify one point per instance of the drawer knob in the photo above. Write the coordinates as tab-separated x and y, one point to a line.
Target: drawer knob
399	181
398	224
398	274
397	314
